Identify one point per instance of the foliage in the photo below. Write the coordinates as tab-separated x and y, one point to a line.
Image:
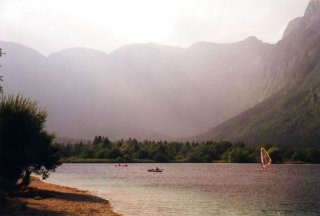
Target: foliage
132	150
312	155
25	146
239	155
275	154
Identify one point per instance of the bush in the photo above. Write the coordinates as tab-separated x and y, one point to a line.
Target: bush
275	154
239	155
313	155
25	146
160	157
297	156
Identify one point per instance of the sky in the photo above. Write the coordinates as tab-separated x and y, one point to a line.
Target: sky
52	25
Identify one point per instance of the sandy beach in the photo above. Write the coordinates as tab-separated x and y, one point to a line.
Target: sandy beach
51	199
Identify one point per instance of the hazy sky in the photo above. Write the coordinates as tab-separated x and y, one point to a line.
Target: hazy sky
51	25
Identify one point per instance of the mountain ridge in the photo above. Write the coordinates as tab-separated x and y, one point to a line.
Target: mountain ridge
289	115
158	87
151	90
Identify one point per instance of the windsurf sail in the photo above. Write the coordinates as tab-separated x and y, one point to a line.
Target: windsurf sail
265	158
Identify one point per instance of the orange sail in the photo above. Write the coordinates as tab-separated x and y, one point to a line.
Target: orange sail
265	158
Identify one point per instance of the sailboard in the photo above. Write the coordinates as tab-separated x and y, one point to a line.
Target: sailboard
265	159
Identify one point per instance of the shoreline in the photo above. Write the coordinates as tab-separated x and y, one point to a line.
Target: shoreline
42	198
107	161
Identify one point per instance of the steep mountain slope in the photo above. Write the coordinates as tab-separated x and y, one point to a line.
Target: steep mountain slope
146	91
291	115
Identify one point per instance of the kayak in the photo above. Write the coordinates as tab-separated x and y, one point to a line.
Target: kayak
155	170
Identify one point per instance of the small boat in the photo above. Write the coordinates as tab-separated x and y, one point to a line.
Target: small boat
156	169
121	165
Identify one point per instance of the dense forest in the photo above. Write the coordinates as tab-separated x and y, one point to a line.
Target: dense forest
101	149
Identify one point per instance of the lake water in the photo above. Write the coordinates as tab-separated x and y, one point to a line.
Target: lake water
199	189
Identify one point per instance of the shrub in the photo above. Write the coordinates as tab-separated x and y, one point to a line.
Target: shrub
25	146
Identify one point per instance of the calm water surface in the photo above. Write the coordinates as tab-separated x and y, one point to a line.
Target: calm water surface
199	189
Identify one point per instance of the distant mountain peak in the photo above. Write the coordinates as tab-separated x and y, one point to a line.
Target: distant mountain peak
204	44
313	11
312	14
78	51
252	39
292	81
292	26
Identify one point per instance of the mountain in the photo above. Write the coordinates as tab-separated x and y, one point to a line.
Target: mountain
290	115
146	91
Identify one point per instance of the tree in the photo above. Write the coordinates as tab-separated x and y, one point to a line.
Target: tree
239	155
25	146
106	143
275	154
202	154
1	77
313	155
1	89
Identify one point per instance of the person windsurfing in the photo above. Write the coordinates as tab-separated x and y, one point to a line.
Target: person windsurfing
265	159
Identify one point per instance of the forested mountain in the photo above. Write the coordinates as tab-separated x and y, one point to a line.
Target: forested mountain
146	91
291	115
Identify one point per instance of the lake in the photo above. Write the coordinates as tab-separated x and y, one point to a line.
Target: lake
199	189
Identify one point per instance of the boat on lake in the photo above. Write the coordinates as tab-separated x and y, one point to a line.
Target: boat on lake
156	169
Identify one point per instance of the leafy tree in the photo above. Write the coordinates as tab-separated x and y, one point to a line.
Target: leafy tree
202	153
297	156
78	149
97	140
25	146
101	154
239	155
106	143
88	153
143	154
275	154
162	151
115	153
161	154
221	148
1	88
161	157
313	155
1	77
288	152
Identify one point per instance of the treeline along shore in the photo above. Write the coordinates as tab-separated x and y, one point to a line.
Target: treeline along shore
102	150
